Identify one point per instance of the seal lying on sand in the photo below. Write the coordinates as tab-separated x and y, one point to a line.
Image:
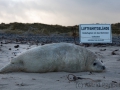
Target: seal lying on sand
55	57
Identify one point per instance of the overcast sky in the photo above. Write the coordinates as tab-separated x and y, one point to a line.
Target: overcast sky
62	12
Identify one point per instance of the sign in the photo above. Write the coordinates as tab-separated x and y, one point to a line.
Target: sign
95	33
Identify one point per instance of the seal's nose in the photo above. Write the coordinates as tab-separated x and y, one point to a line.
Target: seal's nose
103	67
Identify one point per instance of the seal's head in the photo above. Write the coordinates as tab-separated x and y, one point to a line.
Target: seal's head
97	66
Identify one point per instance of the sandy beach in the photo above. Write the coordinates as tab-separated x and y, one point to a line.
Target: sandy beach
110	79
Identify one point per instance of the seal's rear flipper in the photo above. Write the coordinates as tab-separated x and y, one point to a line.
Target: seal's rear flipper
11	68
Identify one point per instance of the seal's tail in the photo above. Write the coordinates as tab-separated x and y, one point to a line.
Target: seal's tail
11	68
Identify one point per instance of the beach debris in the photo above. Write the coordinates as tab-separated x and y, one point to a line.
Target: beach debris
15	53
23	84
118	60
102	61
90	73
72	77
4	78
33	79
103	76
115	52
114	82
1	85
102	49
16	46
87	45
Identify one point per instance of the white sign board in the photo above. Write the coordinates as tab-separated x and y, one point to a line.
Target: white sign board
95	33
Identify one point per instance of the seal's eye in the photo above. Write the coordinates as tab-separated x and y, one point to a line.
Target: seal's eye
94	64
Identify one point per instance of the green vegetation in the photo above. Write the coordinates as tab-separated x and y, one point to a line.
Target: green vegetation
35	28
115	28
44	29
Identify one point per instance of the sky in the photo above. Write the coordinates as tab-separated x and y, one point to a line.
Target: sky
61	12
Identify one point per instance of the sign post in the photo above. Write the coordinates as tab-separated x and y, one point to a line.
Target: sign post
95	33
